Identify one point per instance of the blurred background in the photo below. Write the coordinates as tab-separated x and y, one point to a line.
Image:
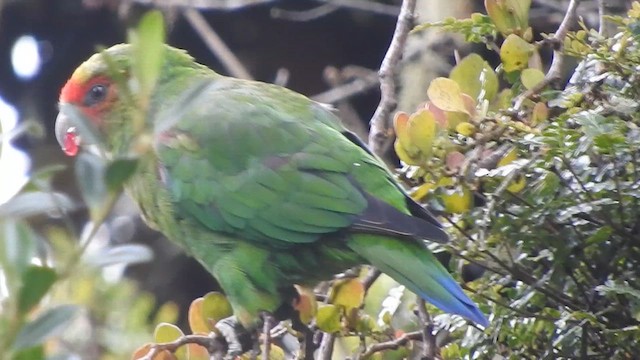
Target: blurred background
328	50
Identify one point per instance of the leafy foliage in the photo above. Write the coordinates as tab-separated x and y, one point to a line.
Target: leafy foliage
553	219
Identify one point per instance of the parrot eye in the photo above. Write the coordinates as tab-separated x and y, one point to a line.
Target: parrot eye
95	95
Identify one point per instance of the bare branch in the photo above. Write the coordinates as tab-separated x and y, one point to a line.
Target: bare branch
216	45
601	24
367	5
205	4
379	137
304	15
555	70
348	90
391	345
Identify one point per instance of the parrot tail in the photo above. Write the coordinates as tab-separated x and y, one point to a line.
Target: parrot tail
415	267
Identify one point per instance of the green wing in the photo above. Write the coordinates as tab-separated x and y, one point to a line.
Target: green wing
266	164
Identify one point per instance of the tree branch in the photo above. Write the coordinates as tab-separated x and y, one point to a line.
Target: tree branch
555	70
391	345
216	45
379	136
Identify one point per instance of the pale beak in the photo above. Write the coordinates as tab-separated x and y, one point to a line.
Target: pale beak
66	135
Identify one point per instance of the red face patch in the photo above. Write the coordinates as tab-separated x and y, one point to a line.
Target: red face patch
80	94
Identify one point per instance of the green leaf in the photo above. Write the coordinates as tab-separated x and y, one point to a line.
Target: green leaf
45	326
17	248
148	44
90	175
166	332
216	307
36	282
515	53
119	171
35	203
347	293
328	318
474	75
531	77
600	236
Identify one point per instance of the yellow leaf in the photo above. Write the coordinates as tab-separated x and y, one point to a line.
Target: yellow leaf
474	75
457	200
404	154
509	16
446	94
531	77
348	293
306	304
215	307
455	118
400	122
517	184
509	157
422	191
166	332
197	321
422	129
515	53
466	129
328	318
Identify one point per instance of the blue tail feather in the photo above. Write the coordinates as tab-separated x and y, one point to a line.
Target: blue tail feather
416	268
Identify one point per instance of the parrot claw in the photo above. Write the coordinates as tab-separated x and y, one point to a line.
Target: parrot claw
238	339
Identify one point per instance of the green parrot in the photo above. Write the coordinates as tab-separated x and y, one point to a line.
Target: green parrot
263	186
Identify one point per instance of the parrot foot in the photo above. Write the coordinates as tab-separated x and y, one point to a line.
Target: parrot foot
238	339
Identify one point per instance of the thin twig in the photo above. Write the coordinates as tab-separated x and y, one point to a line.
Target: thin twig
368	6
379	137
391	345
204	4
555	70
347	90
216	45
601	23
304	15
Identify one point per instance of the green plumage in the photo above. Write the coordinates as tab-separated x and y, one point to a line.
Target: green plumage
267	189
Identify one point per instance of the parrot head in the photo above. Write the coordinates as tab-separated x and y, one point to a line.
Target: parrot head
93	94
